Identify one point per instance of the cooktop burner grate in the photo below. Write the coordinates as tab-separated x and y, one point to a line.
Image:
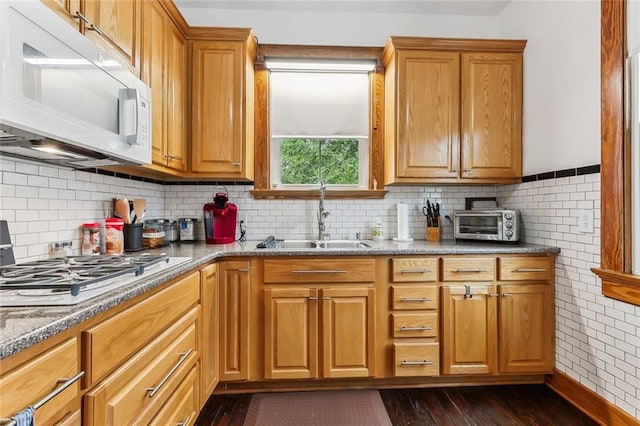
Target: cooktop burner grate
70	274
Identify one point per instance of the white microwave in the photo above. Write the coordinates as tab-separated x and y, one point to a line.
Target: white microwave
63	99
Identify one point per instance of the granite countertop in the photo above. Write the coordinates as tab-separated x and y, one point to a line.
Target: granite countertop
22	327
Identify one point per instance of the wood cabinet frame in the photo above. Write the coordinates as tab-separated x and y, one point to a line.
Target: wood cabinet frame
262	134
615	186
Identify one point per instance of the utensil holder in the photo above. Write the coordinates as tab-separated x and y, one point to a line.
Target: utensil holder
433	232
133	236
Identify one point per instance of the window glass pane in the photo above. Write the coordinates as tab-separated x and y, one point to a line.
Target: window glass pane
306	161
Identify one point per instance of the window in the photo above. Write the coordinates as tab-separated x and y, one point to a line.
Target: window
319	123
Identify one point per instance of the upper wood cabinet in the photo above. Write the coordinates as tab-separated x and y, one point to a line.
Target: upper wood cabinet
114	24
66	9
164	69
222	114
453	110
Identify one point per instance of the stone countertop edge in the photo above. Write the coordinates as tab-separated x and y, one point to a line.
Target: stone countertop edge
37	323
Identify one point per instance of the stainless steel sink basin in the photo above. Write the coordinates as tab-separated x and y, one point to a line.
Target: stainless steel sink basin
344	244
325	244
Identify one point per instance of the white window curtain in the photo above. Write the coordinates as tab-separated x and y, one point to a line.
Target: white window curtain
319	104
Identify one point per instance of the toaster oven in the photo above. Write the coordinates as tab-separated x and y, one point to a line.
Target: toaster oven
487	224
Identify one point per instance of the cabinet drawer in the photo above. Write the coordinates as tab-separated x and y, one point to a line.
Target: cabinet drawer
30	382
414	325
182	406
116	339
414	270
414	297
468	269
525	268
124	395
416	359
329	270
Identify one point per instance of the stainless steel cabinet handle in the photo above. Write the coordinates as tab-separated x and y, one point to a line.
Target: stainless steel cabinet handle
469	270
416	299
421	328
326	298
183	356
318	271
530	270
312	298
185	422
172	156
80	16
243	270
415	271
65	384
425	362
507	294
235	164
96	29
494	294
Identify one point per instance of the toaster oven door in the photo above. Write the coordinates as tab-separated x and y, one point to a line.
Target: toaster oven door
478	226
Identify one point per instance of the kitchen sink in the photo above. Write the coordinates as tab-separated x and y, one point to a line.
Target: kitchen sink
325	244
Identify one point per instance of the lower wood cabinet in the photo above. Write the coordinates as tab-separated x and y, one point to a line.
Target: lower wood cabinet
34	380
210	346
235	290
310	330
182	407
412	359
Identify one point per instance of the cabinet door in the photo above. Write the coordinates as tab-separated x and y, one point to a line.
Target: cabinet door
209	301
153	73
234	281
526	329
427	114
491	115
291	333
176	101
468	329
218	109
66	9
348	332
118	21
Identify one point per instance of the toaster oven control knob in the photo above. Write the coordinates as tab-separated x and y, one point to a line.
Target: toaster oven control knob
509	224
509	233
508	216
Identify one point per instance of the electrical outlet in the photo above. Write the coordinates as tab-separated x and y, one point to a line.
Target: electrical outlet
585	221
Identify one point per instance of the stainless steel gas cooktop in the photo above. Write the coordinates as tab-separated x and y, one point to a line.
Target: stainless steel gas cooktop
71	280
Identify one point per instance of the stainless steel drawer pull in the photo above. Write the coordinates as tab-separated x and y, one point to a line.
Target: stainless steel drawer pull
421	328
235	164
530	270
243	270
185	422
494	294
416	299
469	270
65	384
507	295
425	362
183	356
415	271
318	271
312	298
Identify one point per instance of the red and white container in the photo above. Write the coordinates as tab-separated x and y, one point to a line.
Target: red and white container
114	235
90	238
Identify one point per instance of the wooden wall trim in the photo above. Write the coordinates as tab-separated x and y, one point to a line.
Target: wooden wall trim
589	402
458	44
615	183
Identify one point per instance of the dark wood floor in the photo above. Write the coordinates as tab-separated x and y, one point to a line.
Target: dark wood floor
484	405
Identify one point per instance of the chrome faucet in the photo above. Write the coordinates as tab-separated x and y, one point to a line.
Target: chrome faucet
322	213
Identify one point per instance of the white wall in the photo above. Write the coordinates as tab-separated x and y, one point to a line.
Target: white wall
561	124
343	29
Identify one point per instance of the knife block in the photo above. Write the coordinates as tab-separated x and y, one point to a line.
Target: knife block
433	232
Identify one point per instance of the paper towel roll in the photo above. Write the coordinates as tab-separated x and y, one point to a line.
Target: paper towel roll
403	223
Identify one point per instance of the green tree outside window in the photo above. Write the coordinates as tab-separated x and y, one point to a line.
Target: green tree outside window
306	161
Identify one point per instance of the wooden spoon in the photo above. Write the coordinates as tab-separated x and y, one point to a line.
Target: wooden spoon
139	205
122	209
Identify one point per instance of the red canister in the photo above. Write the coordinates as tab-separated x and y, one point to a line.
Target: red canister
114	235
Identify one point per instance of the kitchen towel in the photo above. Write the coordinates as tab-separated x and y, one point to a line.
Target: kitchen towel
403	223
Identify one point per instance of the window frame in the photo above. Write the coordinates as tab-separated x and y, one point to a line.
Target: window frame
262	184
615	186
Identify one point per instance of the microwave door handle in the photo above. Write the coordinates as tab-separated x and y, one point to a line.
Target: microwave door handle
128	114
